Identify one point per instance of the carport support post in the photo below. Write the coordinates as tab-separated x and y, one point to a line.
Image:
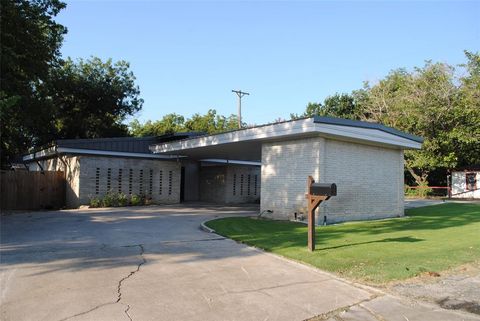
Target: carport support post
312	203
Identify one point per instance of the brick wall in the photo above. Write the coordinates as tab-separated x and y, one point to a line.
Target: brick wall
230	184
369	178
157	179
242	184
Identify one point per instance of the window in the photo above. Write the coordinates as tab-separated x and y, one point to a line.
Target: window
471	181
248	184
255	188
170	174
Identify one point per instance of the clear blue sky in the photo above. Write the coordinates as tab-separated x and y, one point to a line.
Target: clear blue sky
188	56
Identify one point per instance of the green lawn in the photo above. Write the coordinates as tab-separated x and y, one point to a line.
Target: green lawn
433	238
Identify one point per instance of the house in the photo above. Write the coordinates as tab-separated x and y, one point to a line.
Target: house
465	182
268	163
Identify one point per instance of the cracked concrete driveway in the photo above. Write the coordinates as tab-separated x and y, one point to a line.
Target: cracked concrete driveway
154	263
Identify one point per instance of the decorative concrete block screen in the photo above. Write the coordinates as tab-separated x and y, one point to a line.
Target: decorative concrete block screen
156	179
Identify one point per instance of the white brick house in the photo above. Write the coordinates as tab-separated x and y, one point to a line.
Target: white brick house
365	160
267	164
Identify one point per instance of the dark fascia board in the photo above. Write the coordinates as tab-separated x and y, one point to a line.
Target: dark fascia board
364	124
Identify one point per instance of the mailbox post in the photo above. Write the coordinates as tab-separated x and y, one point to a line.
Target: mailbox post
316	194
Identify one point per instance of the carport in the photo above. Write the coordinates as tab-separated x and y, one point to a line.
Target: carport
350	153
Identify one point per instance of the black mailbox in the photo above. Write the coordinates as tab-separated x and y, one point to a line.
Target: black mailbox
323	189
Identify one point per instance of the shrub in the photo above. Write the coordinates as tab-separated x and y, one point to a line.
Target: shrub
109	200
122	199
136	200
95	202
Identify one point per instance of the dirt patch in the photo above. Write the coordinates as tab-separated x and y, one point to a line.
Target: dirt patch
456	289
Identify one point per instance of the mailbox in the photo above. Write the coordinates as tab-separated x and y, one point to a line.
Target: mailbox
323	189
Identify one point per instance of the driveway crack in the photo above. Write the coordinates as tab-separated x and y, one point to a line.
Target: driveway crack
119	288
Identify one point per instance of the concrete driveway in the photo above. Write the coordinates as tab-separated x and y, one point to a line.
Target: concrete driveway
154	263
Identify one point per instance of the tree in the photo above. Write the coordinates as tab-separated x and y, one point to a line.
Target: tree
44	97
338	105
169	124
30	46
436	104
91	98
210	123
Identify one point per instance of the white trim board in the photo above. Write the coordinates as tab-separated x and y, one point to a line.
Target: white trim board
292	129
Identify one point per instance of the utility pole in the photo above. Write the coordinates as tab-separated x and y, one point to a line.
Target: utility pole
240	94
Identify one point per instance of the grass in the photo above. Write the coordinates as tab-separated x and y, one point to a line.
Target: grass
429	239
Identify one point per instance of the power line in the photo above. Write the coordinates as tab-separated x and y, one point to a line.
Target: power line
240	94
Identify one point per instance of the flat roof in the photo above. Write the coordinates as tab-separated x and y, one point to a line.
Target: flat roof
245	144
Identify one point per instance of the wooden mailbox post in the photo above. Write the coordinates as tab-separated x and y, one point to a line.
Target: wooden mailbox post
316	194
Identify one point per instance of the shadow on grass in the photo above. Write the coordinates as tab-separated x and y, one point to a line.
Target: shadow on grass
272	235
407	239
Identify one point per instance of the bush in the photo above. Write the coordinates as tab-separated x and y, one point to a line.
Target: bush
109	200
136	200
421	192
122	199
95	202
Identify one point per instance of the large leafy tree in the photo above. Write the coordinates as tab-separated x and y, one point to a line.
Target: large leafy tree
44	97
338	105
30	47
91	98
210	123
438	102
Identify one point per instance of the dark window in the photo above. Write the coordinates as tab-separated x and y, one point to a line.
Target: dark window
256	182
471	181
248	184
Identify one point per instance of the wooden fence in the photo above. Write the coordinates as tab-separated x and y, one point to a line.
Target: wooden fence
24	190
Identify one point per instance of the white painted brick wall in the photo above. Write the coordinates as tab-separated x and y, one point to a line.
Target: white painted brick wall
369	178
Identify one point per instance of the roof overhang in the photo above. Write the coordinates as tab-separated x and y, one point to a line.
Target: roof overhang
246	144
54	151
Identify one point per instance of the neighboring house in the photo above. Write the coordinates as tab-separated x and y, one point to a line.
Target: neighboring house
466	182
364	159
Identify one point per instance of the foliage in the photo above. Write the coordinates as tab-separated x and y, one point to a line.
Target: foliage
91	98
113	199
427	240
438	102
30	47
210	123
43	97
136	200
338	105
95	202
122	200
